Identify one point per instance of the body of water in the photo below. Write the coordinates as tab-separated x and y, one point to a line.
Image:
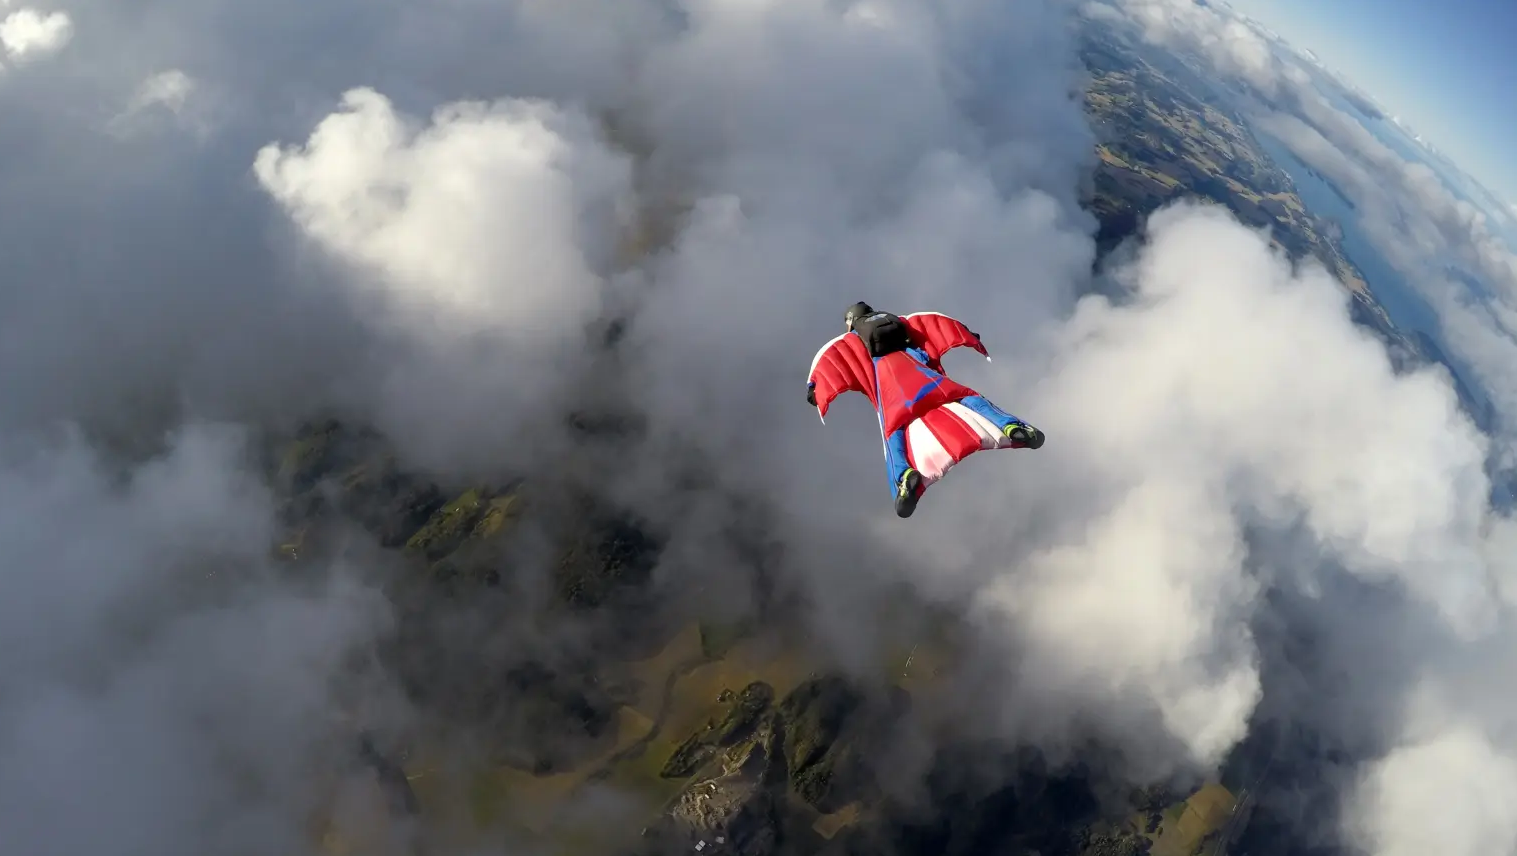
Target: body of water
1407	308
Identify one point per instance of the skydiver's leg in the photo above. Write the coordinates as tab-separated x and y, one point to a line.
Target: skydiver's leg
905	482
1021	433
896	462
981	405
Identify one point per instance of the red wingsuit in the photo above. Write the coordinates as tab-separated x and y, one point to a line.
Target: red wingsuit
928	421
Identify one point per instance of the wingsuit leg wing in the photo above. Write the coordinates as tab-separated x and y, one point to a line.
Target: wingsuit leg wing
941	438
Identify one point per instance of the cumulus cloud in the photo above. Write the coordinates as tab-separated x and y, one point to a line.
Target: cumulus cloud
482	221
420	225
1174	433
484	239
28	34
1450	794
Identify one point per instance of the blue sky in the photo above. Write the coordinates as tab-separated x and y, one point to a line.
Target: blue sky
1447	67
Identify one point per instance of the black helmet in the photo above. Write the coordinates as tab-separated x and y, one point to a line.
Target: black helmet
855	312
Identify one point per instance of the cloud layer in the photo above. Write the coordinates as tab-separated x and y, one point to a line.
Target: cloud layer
162	691
1448	729
27	34
424	224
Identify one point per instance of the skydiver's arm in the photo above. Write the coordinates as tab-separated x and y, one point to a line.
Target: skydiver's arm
941	333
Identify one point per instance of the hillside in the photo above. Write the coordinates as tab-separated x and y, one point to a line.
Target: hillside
542	686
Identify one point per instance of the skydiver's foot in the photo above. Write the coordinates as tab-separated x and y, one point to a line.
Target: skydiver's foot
1024	435
907	493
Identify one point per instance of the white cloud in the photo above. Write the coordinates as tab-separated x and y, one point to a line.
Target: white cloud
167	99
496	218
1451	793
27	34
481	240
1174	425
170	89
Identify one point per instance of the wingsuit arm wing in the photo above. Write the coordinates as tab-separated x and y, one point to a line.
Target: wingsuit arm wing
842	365
937	334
